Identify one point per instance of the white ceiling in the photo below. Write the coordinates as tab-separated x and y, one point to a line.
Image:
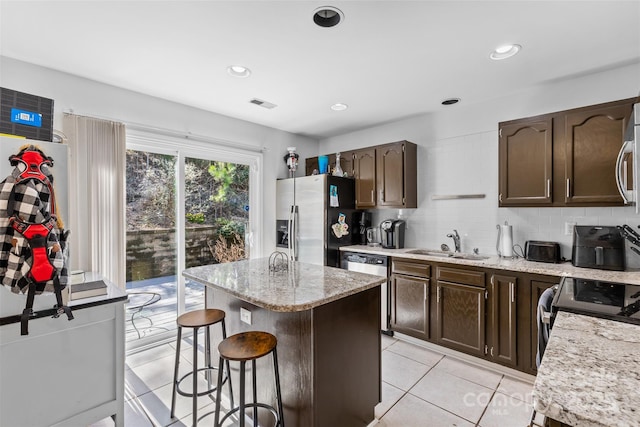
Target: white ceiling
386	60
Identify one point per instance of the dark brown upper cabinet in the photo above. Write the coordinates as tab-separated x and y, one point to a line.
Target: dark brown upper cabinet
396	180
386	175
566	158
525	166
364	167
593	138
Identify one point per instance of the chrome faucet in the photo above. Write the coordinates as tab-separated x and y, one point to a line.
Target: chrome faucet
456	239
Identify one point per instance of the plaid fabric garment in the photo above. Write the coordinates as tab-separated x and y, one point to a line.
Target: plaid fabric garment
31	204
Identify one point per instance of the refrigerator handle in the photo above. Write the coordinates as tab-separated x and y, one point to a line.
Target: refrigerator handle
290	233
295	233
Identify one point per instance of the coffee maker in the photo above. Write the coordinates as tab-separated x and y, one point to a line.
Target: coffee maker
364	222
392	233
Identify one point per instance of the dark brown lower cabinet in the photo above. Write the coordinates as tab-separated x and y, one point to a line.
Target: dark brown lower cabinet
410	305
502	322
460	319
482	312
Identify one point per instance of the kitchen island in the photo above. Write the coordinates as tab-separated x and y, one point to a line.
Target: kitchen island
590	373
327	323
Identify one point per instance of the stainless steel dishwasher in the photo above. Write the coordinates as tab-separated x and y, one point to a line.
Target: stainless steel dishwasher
372	264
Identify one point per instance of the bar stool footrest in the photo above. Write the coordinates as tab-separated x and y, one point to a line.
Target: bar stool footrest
254	405
202	393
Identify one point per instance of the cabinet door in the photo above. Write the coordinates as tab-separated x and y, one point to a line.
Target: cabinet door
346	162
502	319
410	305
364	165
460	317
593	137
525	162
390	175
537	288
310	164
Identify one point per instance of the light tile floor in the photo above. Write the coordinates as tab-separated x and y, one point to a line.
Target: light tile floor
421	388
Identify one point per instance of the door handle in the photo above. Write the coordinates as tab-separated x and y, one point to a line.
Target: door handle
548	188
512	291
621	171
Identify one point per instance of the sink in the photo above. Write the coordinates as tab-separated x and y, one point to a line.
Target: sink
430	252
470	256
445	254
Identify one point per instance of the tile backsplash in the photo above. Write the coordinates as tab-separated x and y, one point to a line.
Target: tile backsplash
468	165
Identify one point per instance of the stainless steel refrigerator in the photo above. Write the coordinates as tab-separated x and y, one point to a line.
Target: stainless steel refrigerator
315	215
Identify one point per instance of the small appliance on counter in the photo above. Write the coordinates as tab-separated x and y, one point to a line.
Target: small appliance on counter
364	222
504	245
597	246
392	233
542	251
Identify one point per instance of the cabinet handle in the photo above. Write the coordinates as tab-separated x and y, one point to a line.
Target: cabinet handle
513	292
491	351
373	196
500	197
438	294
425	289
548	188
568	188
382	195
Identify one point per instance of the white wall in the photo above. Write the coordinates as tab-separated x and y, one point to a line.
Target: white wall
458	154
91	98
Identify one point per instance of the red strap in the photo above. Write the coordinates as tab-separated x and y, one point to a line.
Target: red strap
41	270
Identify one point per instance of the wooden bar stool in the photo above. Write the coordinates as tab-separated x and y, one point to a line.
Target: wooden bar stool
244	347
195	320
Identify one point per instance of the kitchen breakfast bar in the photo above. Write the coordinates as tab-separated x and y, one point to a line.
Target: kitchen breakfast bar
327	323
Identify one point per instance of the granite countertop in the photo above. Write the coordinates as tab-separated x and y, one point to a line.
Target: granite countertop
301	287
516	264
590	373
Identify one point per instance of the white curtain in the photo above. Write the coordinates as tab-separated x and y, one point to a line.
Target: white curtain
97	151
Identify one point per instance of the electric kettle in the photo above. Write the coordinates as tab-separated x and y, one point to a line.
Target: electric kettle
504	245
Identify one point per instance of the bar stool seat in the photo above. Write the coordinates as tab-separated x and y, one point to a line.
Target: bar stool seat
195	320
244	347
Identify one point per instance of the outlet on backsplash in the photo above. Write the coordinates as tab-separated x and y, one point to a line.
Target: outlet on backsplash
568	228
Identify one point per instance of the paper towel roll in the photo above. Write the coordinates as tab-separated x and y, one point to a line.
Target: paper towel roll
505	241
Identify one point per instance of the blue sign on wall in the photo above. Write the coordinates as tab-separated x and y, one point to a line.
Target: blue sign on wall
26	118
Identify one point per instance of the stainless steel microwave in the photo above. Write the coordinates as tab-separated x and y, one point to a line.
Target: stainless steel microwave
628	157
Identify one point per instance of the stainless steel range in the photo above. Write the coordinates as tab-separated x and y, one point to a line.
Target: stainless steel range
609	300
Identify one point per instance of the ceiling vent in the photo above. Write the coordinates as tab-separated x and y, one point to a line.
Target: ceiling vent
263	104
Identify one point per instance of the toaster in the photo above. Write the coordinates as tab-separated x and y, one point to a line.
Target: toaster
542	251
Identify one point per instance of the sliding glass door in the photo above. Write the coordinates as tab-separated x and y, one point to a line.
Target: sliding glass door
183	210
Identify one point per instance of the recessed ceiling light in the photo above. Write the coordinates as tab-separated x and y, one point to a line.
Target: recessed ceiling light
238	71
327	16
450	101
339	107
505	51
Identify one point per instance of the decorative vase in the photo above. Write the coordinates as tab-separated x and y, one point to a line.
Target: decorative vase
337	171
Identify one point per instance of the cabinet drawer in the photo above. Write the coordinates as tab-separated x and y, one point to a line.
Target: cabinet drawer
410	267
466	277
